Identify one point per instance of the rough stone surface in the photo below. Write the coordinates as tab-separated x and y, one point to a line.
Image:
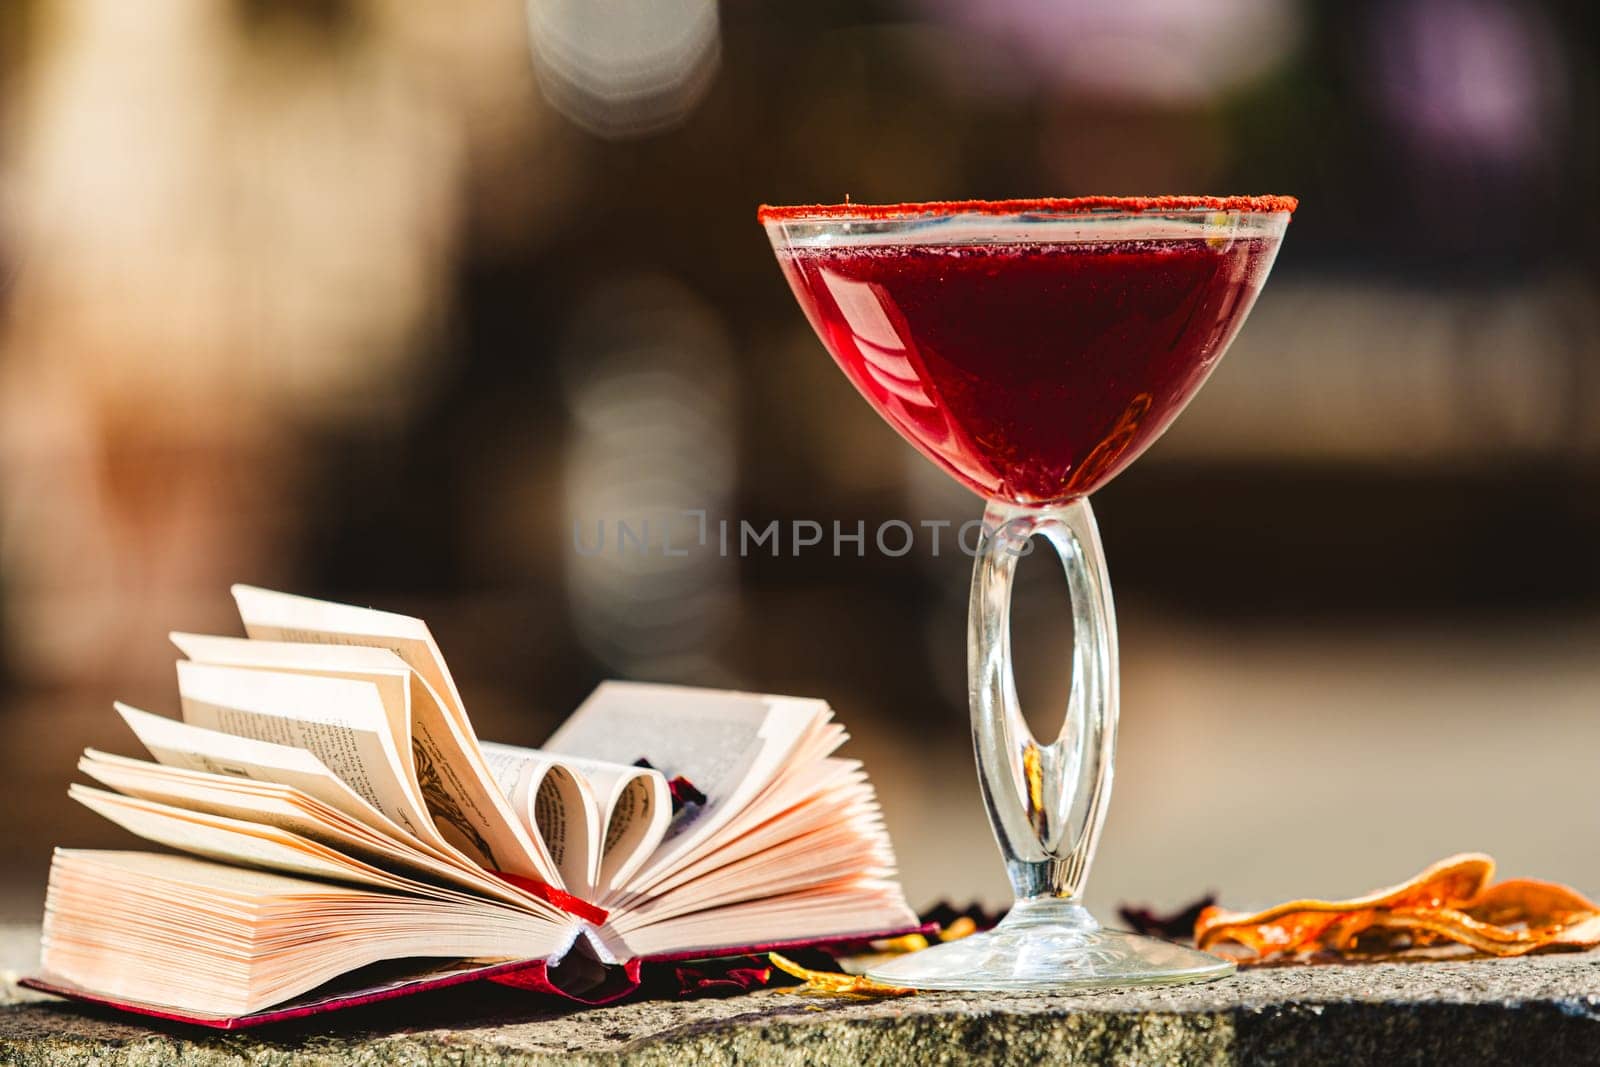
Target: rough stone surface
1540	1010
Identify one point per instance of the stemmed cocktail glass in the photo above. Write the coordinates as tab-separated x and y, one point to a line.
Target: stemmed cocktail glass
1032	350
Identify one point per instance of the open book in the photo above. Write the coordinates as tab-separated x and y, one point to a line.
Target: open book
331	808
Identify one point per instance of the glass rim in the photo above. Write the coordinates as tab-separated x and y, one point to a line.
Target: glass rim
1074	205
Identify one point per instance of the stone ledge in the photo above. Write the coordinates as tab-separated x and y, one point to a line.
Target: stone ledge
1540	1010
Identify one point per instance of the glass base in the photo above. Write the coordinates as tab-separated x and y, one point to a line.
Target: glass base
1050	945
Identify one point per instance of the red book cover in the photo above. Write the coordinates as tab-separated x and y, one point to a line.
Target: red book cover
603	985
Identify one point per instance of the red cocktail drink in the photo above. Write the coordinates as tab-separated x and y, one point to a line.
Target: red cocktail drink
1031	372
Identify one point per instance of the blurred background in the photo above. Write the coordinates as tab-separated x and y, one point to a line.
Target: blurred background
374	300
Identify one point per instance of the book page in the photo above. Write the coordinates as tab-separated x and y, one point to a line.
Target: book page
379	666
381	669
449	767
554	805
273	616
834	792
239	842
465	808
286	808
809	780
729	745
176	928
179	744
342	723
129	778
635	805
286	655
462	793
860	906
609	817
848	849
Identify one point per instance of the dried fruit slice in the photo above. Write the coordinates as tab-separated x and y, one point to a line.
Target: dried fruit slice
1530	901
1303	925
1450	901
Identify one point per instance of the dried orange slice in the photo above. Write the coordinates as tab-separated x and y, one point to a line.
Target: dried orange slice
1301	924
1450	901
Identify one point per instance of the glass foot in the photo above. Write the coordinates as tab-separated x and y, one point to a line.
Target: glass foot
1049	946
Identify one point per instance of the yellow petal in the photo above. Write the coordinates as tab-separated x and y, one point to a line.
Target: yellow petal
835	982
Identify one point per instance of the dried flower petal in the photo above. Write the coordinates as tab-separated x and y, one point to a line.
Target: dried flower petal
834	982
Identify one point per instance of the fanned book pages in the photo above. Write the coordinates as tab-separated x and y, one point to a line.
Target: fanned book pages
330	810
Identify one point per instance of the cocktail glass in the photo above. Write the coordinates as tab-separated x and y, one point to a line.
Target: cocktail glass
1032	350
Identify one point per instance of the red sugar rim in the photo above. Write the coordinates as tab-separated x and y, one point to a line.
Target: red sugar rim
1064	205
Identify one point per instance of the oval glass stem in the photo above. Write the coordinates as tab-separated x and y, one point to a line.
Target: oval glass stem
1046	802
